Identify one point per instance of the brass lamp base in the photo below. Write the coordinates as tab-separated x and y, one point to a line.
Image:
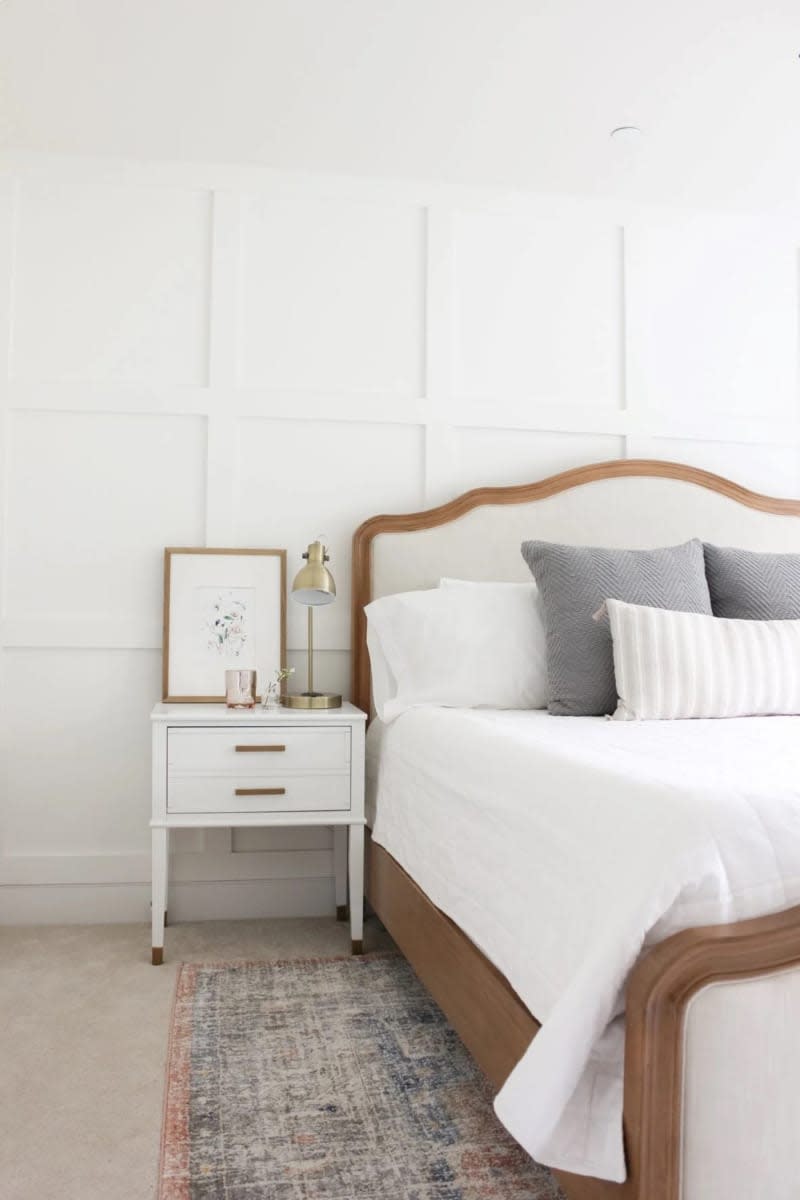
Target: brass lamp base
312	700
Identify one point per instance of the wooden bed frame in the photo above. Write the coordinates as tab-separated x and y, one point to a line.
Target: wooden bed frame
489	1016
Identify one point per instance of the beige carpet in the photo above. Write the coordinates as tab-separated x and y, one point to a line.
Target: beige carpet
84	1021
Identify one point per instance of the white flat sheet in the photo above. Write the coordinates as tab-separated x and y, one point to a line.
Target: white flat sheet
563	845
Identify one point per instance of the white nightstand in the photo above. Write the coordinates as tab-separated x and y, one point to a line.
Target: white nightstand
220	767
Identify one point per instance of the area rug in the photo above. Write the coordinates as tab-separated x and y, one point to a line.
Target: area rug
328	1079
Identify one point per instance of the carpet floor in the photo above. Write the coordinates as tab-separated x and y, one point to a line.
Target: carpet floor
328	1079
84	1026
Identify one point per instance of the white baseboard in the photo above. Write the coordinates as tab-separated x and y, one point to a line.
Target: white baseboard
213	875
113	903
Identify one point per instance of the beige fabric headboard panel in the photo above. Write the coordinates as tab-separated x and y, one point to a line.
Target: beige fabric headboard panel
636	504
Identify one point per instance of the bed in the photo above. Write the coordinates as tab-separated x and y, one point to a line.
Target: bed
708	1104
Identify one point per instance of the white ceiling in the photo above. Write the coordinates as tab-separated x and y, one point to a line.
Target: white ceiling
519	93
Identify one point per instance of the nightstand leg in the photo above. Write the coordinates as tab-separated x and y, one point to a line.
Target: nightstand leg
356	872
159	901
340	870
166	878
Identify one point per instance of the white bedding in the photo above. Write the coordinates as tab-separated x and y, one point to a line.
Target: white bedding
561	846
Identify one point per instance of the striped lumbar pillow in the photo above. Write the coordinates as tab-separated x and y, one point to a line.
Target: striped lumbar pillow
674	665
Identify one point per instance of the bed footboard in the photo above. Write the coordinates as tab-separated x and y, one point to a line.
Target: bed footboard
712	1052
712	1060
740	1096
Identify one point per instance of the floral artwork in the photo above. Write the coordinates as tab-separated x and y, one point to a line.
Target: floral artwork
226	625
224	610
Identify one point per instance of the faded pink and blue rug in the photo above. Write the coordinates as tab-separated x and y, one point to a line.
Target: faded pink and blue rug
328	1079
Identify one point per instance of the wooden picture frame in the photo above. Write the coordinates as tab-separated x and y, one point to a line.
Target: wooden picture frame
219	614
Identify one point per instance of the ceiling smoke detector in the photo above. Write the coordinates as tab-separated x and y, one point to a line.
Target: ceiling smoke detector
626	133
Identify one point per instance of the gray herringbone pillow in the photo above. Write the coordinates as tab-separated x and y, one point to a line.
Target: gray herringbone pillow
574	581
753	586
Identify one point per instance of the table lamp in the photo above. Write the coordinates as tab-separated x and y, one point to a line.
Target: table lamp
313	585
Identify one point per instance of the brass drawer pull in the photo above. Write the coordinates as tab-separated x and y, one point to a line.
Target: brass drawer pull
259	749
260	792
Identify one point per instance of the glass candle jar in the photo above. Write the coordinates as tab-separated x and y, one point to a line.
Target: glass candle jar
240	689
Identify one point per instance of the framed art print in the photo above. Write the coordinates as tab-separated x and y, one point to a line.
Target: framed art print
223	609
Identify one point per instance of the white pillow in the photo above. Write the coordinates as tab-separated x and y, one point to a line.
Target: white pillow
384	684
527	586
467	646
515	601
674	665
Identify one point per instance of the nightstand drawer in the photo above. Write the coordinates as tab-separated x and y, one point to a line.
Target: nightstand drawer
287	793
264	751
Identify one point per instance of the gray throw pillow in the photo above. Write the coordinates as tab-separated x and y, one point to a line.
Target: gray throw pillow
753	586
574	581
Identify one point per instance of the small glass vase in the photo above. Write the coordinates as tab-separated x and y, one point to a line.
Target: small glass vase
271	700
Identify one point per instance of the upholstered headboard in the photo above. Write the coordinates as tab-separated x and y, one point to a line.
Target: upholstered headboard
635	503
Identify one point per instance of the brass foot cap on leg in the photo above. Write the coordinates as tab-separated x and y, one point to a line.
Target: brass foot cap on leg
158	956
357	946
341	912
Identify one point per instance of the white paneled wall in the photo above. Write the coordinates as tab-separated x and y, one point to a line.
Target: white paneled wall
365	309
717	317
537	312
88	495
111	284
296	479
196	356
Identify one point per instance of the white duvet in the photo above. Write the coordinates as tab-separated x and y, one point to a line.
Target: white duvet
563	845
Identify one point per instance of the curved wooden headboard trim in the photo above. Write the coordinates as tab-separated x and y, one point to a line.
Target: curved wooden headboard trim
518	494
